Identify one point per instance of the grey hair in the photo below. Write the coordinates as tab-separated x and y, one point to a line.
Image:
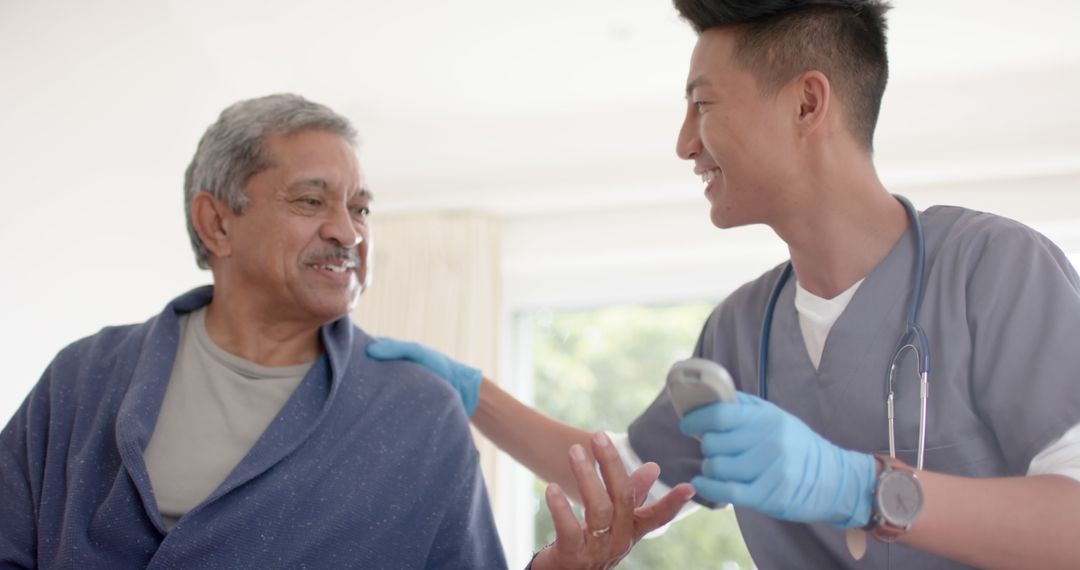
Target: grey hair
231	150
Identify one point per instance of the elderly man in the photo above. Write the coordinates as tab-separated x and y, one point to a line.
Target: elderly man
245	426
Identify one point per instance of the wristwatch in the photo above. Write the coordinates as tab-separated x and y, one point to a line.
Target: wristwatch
897	501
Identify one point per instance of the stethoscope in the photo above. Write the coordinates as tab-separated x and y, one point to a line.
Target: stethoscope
913	339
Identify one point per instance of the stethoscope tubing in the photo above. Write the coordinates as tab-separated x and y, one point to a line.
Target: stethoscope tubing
914	338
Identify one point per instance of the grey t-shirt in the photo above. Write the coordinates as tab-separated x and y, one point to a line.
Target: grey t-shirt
215	407
1001	310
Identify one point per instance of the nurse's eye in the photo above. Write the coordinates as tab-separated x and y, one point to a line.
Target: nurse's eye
700	105
310	201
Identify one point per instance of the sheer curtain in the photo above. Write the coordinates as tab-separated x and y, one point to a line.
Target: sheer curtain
437	280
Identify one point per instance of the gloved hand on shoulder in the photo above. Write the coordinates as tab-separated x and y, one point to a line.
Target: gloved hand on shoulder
464	379
764	458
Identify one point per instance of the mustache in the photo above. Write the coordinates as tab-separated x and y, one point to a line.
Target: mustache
347	254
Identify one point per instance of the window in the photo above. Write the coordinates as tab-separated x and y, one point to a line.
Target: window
598	369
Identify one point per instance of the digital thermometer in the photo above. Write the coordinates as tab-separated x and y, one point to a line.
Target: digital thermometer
696	382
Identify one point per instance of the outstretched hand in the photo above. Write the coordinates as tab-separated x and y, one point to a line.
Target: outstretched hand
614	516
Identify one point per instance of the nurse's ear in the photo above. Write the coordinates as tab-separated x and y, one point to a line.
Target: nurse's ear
813	101
210	218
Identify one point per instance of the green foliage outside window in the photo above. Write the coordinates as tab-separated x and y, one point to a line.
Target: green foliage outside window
598	370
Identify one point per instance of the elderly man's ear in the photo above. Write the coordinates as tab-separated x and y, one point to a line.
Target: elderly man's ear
212	218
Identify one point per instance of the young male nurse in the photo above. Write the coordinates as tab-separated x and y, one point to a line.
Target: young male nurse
782	100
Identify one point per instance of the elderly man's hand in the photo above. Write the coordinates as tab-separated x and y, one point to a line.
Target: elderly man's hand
614	516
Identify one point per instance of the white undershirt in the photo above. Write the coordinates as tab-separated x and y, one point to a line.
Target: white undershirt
816	319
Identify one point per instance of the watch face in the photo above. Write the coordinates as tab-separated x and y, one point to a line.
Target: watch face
899	498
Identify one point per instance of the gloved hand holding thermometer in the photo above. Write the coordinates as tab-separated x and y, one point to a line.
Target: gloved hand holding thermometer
761	457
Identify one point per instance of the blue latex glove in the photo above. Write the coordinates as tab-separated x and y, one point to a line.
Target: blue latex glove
761	457
464	379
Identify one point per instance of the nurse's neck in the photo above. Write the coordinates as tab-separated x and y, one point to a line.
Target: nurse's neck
841	237
832	210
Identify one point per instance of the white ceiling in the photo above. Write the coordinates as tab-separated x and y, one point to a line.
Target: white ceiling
497	104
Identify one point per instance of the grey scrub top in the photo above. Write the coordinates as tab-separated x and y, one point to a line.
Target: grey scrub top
1001	309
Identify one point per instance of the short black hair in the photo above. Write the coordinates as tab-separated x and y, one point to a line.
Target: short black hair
779	39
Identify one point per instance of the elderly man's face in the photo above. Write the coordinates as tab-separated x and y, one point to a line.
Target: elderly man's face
300	249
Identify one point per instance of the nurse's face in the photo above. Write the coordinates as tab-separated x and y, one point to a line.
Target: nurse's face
738	138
